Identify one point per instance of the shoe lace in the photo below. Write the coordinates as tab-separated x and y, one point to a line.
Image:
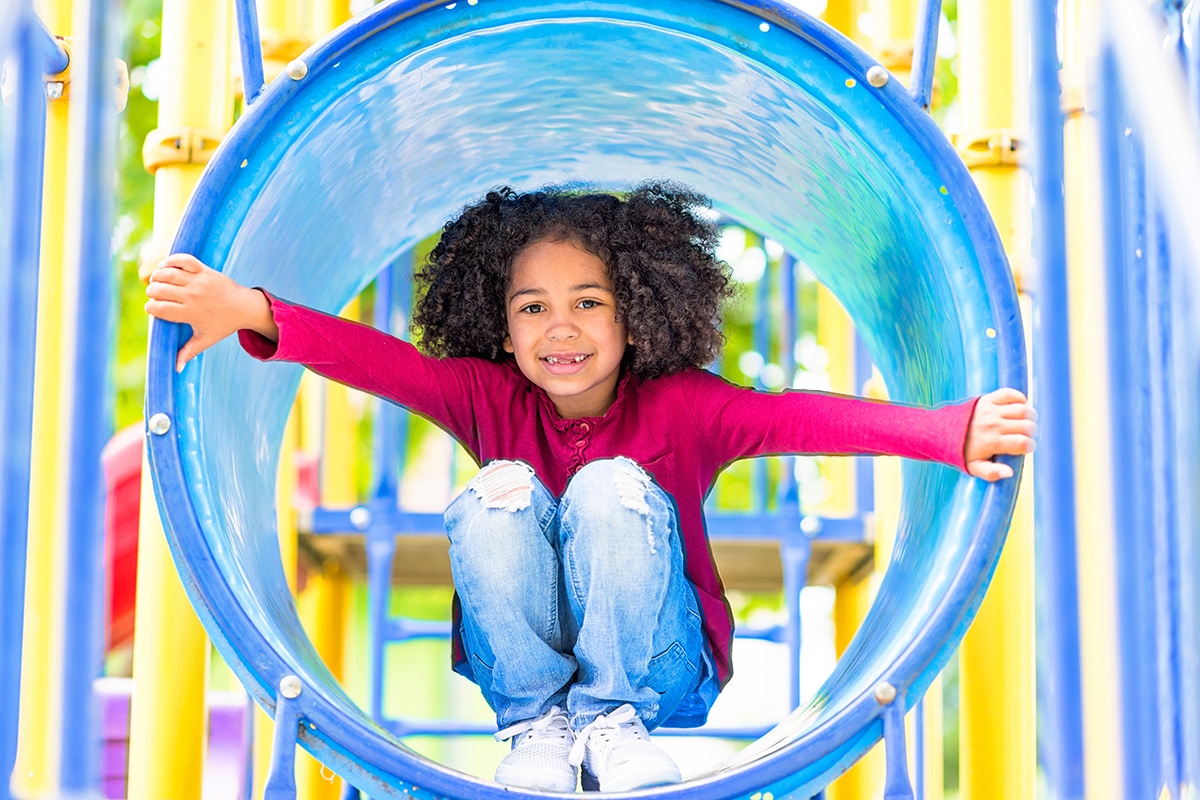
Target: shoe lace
551	725
607	729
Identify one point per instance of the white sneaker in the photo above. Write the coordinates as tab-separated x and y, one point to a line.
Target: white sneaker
618	756
540	757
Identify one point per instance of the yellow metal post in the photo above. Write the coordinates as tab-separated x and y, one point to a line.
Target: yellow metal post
1091	415
998	752
894	27
322	609
39	733
168	714
325	15
864	779
843	15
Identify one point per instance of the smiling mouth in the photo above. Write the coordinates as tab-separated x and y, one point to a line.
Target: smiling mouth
564	359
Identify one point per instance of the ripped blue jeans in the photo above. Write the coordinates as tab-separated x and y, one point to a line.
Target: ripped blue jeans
579	601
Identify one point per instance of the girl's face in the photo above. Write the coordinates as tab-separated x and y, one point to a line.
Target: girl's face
563	327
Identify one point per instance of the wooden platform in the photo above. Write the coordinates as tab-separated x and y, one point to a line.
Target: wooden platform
423	560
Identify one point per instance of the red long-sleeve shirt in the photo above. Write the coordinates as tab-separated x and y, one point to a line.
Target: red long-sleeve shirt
683	429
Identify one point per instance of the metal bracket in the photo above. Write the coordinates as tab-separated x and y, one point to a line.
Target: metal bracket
281	782
996	148
165	146
896	785
58	85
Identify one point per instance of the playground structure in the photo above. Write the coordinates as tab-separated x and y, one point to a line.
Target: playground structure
881	190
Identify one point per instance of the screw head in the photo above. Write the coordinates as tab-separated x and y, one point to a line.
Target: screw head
54	90
361	518
297	69
159	424
810	525
885	693
877	76
290	687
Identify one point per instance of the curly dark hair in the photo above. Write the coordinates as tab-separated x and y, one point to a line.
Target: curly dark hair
660	254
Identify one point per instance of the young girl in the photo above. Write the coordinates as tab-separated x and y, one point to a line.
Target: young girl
565	338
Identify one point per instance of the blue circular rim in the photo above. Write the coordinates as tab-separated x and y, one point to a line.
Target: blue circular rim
802	765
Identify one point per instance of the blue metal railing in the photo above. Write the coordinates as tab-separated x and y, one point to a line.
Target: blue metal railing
91	419
33	53
1058	594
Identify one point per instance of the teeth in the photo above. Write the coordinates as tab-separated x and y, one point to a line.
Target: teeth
557	360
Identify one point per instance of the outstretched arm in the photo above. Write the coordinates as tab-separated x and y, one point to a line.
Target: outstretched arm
1004	423
182	289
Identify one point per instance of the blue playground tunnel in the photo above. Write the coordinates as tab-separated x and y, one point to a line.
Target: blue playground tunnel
382	131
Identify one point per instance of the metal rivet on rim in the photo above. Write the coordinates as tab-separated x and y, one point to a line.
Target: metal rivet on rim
159	424
290	687
877	76
297	69
885	693
361	518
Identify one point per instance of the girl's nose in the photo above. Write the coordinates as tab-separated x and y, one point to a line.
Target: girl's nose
561	329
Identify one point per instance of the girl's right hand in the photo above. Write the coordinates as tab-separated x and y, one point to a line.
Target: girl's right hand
182	289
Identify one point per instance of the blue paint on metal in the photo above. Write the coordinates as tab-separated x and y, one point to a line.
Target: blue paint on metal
1164	531
1060	699
864	468
250	47
794	552
406	113
1137	730
1192	16
929	15
896	785
49	53
90	424
281	780
20	236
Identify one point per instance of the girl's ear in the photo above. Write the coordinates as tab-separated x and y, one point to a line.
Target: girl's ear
508	348
629	338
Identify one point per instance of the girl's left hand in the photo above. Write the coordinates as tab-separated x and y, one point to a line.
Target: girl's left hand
1004	423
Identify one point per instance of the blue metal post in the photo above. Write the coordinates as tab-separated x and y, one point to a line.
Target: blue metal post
1183	460
925	52
1193	55
281	781
864	468
789	491
34	53
1137	691
388	438
1164	529
760	491
1061	695
91	421
250	46
896	784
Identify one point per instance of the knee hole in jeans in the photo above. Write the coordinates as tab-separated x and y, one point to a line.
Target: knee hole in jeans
504	485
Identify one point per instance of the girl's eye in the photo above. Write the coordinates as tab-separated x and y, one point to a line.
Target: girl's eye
532	308
588	303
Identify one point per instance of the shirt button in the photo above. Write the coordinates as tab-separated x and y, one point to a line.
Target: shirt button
586	427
